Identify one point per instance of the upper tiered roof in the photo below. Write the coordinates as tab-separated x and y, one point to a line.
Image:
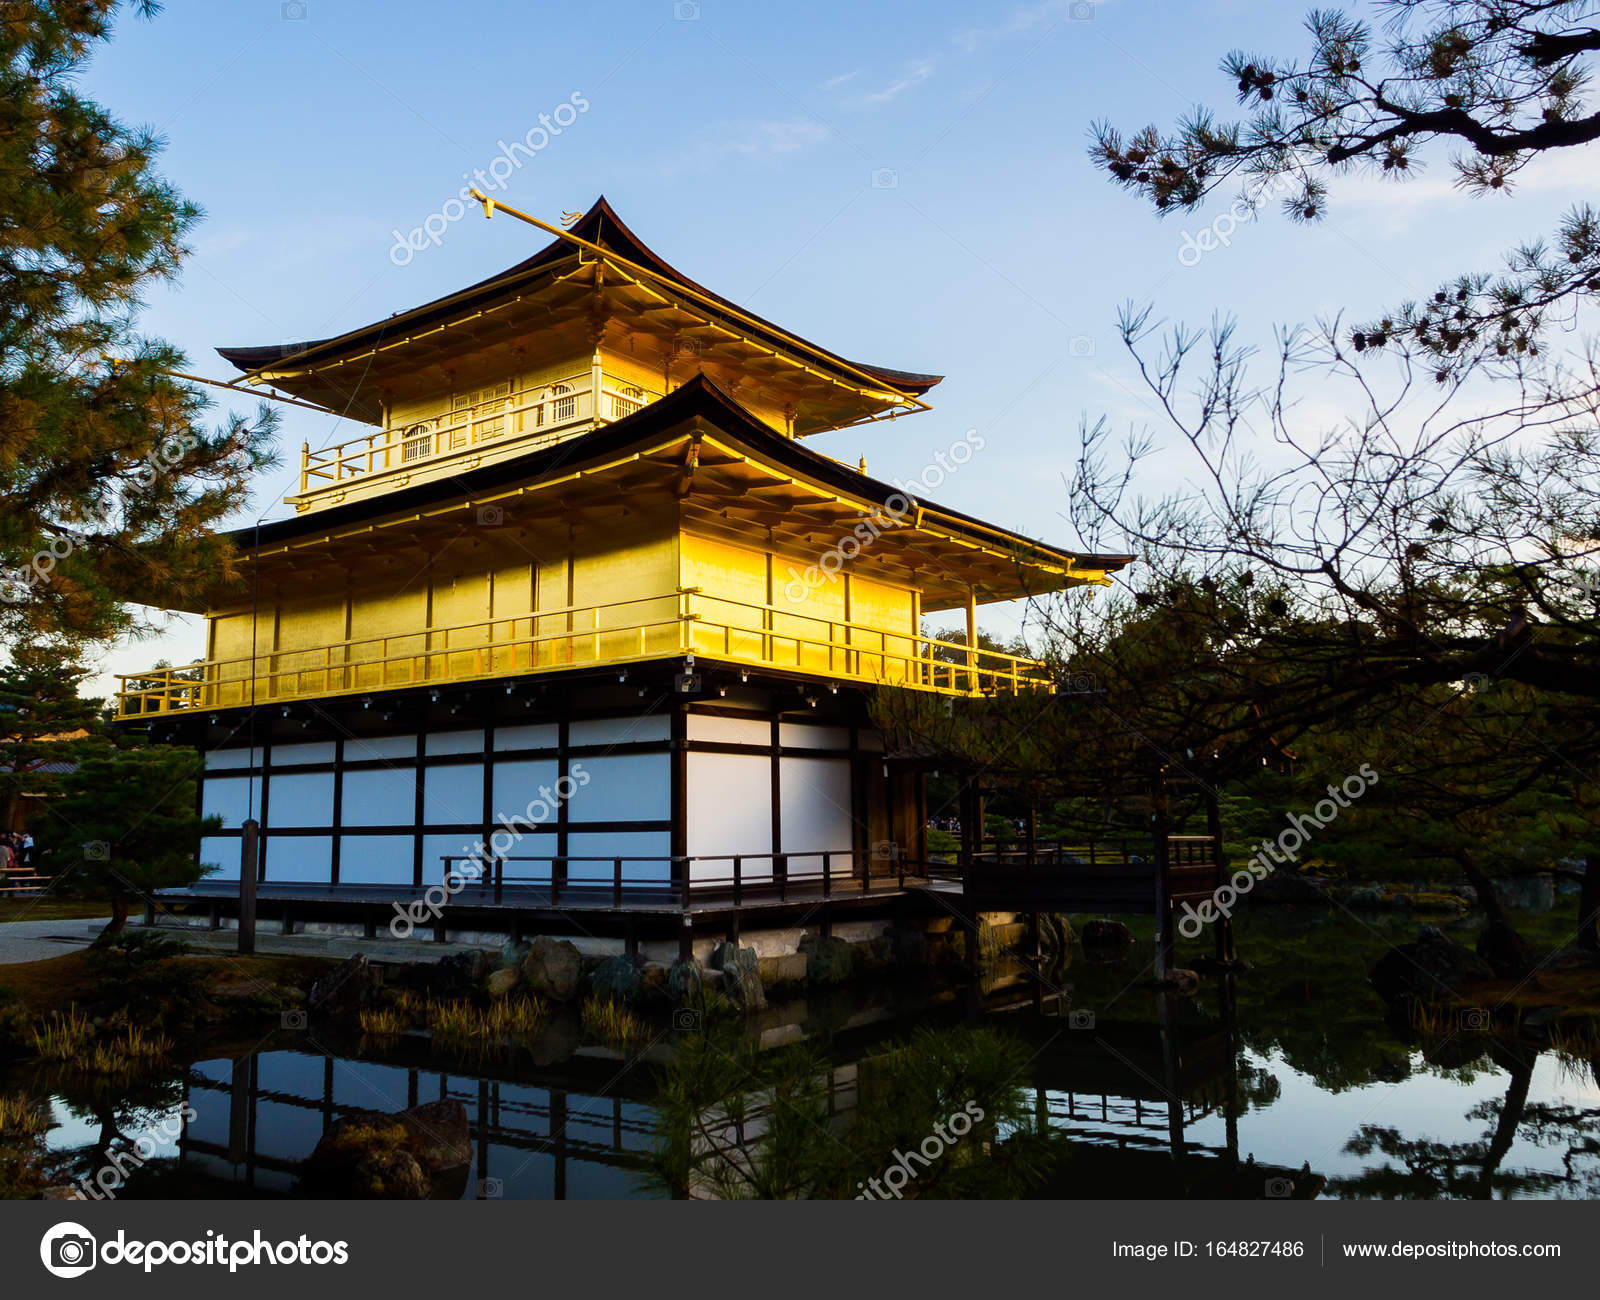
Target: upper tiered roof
568	294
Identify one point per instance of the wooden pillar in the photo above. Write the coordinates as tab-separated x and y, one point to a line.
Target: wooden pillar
1172	1079
248	846
1033	835
972	640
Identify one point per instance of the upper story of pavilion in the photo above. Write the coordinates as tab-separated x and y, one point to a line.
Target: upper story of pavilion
587	331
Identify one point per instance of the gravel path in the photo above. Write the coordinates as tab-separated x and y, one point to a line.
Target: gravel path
22	941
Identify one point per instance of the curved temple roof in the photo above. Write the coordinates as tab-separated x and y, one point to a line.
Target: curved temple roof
292	363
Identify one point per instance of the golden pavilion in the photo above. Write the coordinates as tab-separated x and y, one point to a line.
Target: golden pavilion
583	604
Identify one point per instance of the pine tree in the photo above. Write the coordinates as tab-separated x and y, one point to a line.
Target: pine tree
1497	82
124	824
42	721
110	479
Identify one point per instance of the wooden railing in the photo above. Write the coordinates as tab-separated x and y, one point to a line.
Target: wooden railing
686	882
687	621
529	417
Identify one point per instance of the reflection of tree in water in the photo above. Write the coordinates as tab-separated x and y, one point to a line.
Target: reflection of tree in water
736	1122
1423	1169
122	1110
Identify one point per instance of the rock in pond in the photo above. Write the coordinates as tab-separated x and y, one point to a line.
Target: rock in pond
553	969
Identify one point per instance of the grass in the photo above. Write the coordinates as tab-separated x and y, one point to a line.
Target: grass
47	908
613	1023
128	1052
68	1038
63	1036
60	983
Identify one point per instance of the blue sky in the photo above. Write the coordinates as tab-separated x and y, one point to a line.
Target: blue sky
905	183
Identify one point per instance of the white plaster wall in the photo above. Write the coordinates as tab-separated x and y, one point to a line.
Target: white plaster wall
622	787
730	731
300	858
814	810
381	796
453	794
729	811
375	859
229	798
645	855
619	731
301	799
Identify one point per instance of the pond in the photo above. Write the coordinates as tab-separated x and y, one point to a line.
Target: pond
1288	1080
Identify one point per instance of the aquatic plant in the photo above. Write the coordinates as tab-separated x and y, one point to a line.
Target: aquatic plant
613	1023
466	1025
20	1117
385	1022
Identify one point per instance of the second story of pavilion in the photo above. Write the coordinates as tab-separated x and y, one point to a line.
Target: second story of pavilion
585	332
690	530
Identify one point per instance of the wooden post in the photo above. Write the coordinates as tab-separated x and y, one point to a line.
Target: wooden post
248	847
1166	939
1033	835
1226	951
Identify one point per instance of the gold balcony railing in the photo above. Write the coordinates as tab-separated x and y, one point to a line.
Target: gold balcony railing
688	621
529	417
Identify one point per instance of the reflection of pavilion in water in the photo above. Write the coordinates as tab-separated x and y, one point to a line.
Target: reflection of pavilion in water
1126	1093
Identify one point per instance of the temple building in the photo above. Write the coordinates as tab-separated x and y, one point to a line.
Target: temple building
582	596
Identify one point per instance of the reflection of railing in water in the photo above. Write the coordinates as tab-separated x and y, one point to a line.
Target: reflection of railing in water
588	1139
525	1123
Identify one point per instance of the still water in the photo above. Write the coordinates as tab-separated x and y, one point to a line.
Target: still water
1288	1080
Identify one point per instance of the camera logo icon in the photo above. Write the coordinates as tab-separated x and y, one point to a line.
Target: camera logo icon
1279	1189
885	178
491	1189
491	516
68	1250
1082	1018
685	1020
295	1019
97	851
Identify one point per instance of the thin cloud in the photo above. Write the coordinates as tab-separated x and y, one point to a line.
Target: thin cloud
914	75
757	141
1020	23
